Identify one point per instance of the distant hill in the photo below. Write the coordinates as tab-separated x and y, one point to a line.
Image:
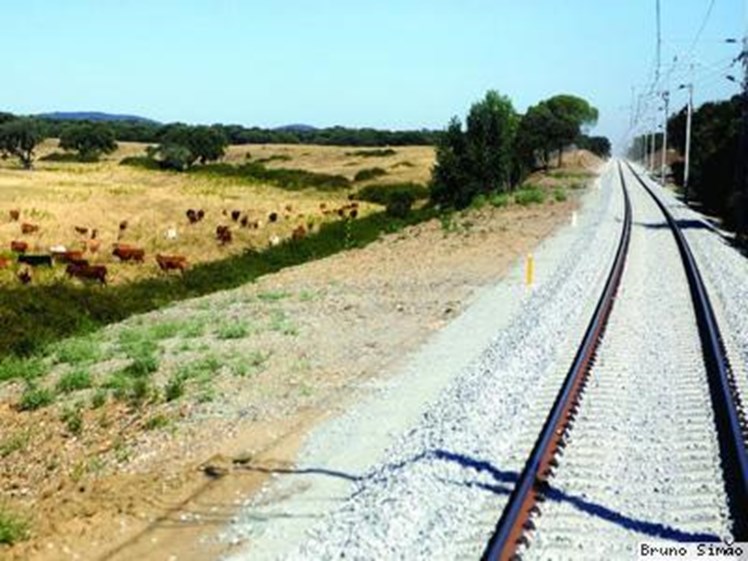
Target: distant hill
92	116
296	128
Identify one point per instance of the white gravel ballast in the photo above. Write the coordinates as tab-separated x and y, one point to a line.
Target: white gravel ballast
422	466
642	460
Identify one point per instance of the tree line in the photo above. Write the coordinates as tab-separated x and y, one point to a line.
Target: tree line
152	133
497	148
713	177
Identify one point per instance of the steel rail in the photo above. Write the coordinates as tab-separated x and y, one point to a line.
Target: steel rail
732	427
515	518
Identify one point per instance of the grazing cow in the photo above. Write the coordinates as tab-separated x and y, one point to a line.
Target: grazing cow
35	260
289	208
129	253
81	230
299	233
353	213
68	256
322	206
18	246
15	215
223	235
200	215
341	212
191	216
24	276
87	272
171	262
27	228
122	228
244	221
171	234
273	217
235	214
4	262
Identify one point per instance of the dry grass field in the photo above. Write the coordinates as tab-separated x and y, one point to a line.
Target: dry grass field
58	196
105	436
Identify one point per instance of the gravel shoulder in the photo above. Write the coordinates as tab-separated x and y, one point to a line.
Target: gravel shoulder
407	470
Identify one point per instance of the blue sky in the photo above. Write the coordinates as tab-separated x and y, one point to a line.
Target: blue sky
388	64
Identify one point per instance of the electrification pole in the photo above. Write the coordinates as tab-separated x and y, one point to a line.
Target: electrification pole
652	146
689	116
742	222
666	97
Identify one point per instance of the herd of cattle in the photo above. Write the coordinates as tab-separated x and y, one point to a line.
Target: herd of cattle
77	264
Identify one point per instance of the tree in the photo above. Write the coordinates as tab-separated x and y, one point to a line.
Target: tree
182	146
19	137
450	183
598	145
478	160
90	140
570	115
491	130
534	143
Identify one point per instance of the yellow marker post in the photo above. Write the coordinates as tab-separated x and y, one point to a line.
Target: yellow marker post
529	270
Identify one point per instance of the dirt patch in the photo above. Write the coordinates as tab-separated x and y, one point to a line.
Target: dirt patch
262	362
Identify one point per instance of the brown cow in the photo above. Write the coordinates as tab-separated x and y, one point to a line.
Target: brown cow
235	214
299	233
4	262
129	253
69	256
81	230
27	228
15	215
223	235
272	217
87	272
19	246
171	262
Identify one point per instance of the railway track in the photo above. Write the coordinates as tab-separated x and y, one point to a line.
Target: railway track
645	440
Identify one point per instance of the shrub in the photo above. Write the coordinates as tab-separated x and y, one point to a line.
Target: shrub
15	367
98	399
499	200
274	158
375	153
381	193
73	381
234	330
76	351
140	161
291	179
73	419
369	173
13	528
62	157
479	202
399	204
559	195
174	388
35	398
529	195
142	366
